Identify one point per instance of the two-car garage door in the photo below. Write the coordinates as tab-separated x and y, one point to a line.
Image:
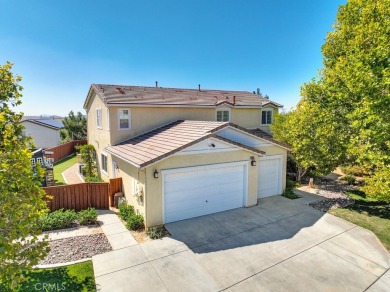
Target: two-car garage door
196	191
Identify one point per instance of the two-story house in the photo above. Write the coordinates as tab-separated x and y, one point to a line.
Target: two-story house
183	153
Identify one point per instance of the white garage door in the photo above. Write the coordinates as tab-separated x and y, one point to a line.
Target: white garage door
270	177
197	191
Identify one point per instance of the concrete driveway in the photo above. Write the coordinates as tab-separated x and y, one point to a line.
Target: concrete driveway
279	245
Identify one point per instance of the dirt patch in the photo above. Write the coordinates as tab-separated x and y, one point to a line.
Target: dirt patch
140	236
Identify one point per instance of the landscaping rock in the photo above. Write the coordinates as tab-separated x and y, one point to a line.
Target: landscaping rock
76	248
326	205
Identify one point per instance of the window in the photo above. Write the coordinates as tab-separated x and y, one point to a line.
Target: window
104	163
124	119
223	115
266	117
99	118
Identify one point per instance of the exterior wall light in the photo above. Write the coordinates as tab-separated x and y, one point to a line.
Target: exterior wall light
155	173
253	161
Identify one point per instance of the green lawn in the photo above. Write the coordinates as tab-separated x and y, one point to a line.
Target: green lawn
368	213
59	167
77	277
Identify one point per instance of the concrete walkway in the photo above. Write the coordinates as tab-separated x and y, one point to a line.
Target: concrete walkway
279	245
114	229
71	175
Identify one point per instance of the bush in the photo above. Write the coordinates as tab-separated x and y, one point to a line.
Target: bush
57	220
88	216
352	170
135	222
350	179
92	179
289	193
126	210
155	232
290	184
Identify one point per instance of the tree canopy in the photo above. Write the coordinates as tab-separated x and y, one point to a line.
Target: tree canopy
21	195
75	127
352	91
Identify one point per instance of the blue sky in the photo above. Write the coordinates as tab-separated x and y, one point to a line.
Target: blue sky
61	47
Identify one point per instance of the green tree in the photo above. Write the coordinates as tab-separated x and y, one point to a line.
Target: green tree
75	127
21	196
353	87
311	139
88	154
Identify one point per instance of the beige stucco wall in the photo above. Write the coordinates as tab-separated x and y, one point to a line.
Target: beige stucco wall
154	199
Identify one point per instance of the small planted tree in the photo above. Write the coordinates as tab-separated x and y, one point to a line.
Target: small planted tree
75	127
21	196
88	154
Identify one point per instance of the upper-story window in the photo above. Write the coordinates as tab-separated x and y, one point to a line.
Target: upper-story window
124	119
266	117
99	118
223	115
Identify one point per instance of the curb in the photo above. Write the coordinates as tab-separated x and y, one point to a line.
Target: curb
50	266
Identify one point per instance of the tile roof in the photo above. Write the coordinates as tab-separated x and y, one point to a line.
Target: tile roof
157	144
158	96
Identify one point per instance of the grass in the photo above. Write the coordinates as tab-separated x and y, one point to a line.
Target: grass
59	167
368	213
77	277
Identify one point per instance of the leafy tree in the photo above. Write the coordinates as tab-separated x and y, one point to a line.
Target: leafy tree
311	138
88	154
353	87
21	195
75	127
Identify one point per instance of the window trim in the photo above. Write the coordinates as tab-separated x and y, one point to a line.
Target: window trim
105	171
119	119
223	110
261	117
99	122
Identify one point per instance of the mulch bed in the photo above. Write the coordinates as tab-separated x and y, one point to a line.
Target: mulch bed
76	248
327	204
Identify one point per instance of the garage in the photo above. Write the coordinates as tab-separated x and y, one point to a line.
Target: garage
201	190
270	176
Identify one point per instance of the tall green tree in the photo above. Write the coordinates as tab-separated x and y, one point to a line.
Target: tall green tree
311	137
21	195
75	127
353	87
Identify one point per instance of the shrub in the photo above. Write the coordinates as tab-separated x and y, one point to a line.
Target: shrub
352	170
92	179
290	184
135	222
126	210
88	216
155	232
350	179
57	220
289	193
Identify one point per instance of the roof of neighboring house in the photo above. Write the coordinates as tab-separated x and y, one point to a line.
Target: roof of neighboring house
48	123
42	117
160	143
158	96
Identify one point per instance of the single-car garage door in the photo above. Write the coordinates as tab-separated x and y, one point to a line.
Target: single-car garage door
270	176
201	190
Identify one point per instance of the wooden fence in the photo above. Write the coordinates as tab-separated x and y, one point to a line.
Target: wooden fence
64	150
82	196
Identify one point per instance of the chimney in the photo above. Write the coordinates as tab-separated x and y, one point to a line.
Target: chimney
234	100
198	87
156	83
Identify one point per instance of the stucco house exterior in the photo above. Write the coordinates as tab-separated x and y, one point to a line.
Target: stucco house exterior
44	131
183	153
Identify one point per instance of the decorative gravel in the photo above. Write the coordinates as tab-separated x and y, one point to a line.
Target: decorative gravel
76	248
327	204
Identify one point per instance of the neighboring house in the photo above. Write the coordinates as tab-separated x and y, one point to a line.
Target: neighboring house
44	131
39	158
183	153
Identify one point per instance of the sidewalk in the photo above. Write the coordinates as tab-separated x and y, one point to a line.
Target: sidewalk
114	229
71	175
